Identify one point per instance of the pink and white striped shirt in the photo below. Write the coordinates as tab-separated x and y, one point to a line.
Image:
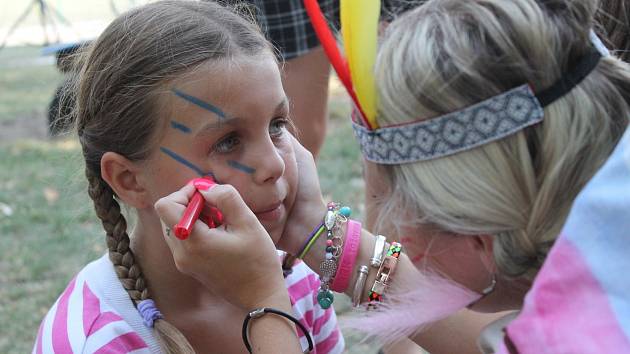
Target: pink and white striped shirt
94	314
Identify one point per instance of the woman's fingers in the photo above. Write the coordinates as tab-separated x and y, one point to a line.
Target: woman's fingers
171	208
227	199
231	259
236	216
302	155
308	182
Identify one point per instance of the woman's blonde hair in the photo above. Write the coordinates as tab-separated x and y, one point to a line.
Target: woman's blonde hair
449	54
118	87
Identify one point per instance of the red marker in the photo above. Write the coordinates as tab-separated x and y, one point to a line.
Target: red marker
193	211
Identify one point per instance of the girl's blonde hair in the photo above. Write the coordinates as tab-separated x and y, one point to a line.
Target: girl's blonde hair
120	80
449	54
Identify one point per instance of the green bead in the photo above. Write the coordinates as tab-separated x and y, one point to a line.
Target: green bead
325	299
345	211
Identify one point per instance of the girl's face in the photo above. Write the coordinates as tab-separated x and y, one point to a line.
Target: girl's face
229	119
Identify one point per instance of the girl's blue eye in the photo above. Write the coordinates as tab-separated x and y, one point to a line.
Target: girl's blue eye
226	144
276	128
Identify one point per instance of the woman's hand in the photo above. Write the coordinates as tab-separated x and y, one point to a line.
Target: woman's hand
237	260
309	208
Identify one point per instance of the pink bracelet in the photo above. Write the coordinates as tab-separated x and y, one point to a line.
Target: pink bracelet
348	257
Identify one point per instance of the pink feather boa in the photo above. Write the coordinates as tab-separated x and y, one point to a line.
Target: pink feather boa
410	306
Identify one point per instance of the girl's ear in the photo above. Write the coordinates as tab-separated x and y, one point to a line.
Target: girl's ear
484	246
122	176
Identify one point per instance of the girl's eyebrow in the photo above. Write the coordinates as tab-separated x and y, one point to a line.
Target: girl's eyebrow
232	121
213	126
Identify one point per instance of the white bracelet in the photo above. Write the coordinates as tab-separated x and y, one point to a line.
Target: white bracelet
377	256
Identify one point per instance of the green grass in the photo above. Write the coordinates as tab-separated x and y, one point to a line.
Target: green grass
339	167
27	84
49	234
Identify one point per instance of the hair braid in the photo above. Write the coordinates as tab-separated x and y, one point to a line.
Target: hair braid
115	225
121	255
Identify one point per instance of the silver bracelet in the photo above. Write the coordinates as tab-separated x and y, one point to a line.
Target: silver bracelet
377	256
359	286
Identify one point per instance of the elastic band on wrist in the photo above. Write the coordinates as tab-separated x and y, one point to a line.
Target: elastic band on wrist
348	257
314	236
259	312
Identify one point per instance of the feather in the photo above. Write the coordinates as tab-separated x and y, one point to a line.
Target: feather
410	306
359	28
329	44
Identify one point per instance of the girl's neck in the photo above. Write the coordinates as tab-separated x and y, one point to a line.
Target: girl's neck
207	320
169	288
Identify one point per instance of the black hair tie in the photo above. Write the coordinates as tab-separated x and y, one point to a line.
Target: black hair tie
259	312
569	80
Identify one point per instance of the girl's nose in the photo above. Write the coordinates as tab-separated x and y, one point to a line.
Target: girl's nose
268	163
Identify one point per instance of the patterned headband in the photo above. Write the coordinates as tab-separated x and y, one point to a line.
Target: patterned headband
484	122
481	123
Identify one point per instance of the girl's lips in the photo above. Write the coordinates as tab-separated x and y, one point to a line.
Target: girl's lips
272	213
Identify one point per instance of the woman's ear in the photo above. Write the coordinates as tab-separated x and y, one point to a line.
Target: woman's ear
122	176
484	246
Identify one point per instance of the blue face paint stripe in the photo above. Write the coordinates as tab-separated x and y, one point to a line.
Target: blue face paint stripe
196	101
239	166
184	162
180	127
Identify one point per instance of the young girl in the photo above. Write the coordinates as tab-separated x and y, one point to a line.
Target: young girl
493	115
172	91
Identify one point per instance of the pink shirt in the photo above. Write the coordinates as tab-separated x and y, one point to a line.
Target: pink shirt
95	315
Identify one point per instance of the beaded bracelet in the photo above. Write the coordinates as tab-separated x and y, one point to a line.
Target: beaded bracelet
385	272
334	243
